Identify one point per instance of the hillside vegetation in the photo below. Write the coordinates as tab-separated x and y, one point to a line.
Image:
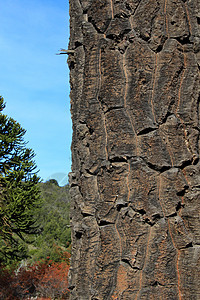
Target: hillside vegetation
34	222
53	221
44	271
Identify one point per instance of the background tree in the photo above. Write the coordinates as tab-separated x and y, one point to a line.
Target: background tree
20	195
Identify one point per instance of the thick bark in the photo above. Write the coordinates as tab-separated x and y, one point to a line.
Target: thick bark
135	181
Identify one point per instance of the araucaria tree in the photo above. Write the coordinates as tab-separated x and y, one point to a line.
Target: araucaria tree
135	192
19	192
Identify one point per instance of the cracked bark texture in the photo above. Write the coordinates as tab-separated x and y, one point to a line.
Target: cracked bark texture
135	181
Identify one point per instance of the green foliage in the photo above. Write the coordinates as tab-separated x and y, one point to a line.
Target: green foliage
30	228
53	218
19	191
54	181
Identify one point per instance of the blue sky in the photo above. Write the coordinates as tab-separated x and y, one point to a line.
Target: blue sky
35	82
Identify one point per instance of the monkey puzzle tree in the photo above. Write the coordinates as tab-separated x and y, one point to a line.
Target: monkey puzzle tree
19	193
135	149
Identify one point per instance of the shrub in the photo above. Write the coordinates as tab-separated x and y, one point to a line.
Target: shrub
43	279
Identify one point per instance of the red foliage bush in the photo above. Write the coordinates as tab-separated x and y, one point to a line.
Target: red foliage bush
53	282
43	279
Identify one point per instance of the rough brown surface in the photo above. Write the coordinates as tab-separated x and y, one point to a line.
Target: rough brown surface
135	181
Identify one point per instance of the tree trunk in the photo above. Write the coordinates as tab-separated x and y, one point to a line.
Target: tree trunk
135	181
